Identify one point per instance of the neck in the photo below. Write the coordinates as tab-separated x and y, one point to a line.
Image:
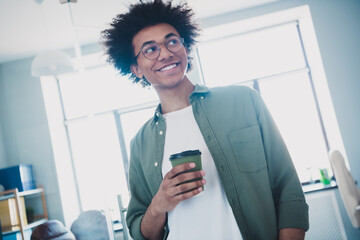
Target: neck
175	98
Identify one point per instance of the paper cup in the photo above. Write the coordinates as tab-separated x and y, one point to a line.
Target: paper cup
187	157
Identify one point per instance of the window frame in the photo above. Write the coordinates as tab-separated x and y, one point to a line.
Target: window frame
301	16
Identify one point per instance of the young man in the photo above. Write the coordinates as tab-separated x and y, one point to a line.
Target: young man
252	190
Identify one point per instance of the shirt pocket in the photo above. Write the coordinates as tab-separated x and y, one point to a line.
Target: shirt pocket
248	150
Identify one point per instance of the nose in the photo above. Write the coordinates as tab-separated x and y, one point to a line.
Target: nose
164	53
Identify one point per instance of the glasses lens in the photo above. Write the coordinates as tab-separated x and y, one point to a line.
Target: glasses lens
151	51
173	44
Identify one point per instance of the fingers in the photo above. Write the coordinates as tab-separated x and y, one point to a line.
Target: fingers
178	186
184	182
179	169
187	177
189	190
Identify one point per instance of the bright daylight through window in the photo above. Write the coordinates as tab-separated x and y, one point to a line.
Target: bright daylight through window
274	61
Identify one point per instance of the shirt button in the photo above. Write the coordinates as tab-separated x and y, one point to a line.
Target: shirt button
157	123
202	97
161	132
222	167
157	114
156	164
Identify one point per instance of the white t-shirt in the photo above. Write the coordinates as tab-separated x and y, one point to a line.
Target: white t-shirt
207	215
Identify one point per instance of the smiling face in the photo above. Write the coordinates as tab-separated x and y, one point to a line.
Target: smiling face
168	70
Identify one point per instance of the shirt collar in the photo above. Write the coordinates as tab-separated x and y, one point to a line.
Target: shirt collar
198	91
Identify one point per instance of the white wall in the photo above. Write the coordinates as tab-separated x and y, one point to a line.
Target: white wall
25	128
3	160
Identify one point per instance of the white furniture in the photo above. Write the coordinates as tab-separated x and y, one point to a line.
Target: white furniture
91	224
349	192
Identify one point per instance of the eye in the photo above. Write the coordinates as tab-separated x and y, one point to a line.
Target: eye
173	41
148	49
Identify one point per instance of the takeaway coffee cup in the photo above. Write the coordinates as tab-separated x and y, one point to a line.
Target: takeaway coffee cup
187	157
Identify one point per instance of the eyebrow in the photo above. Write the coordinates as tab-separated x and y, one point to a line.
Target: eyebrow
152	41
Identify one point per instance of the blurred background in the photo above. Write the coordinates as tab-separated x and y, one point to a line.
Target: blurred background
66	112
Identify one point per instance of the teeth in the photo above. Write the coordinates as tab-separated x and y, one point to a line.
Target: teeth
168	67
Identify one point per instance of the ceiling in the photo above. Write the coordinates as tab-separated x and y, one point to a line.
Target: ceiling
29	27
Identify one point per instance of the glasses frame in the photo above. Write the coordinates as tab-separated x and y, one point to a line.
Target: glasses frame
141	50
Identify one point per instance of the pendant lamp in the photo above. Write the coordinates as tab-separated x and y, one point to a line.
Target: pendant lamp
52	62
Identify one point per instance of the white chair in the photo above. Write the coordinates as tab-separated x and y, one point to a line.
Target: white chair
349	192
123	218
91	224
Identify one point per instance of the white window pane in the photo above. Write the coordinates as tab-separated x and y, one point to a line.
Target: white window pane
98	163
132	122
251	55
291	103
100	90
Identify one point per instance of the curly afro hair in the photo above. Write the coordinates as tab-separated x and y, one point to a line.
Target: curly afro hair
117	40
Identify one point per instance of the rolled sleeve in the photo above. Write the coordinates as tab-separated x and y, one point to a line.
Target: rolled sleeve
293	214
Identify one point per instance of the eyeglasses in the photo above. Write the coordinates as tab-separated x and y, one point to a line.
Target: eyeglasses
152	50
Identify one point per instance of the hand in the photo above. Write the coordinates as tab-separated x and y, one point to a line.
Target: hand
291	234
170	193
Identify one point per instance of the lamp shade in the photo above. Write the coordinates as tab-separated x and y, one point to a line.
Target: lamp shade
51	63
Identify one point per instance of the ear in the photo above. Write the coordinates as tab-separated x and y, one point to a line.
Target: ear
136	70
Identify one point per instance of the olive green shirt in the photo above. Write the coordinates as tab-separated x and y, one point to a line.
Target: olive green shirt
253	163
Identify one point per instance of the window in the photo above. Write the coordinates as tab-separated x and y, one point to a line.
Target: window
251	55
133	121
270	55
290	100
99	90
97	161
101	112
